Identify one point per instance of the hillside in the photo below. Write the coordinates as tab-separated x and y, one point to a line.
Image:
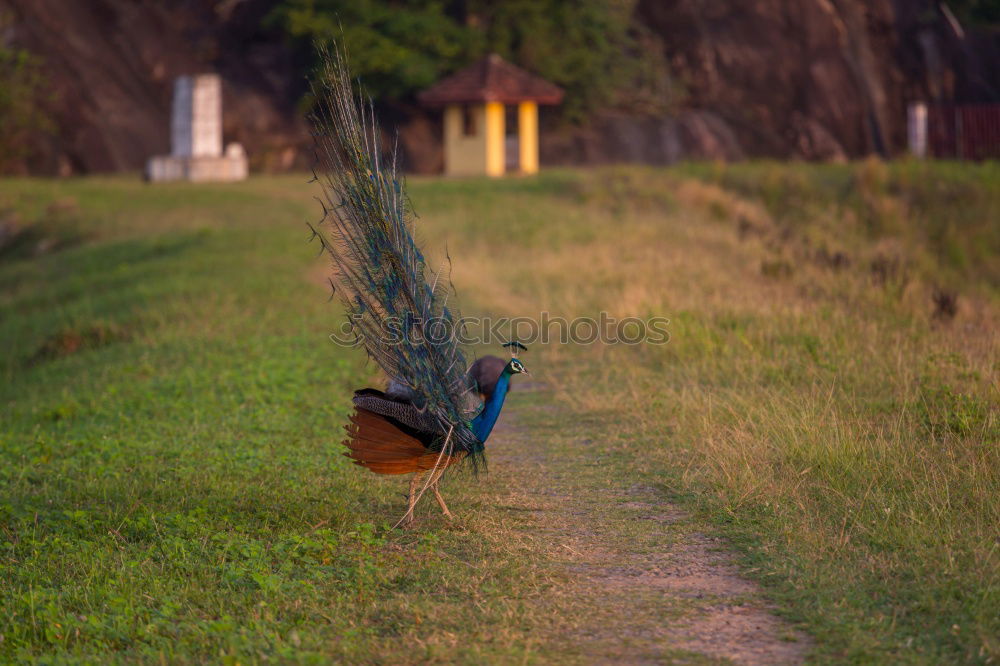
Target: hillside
817	439
780	78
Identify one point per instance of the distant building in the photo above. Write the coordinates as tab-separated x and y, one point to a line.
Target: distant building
483	134
196	136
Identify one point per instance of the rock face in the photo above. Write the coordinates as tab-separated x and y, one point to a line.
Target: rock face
811	79
793	72
623	137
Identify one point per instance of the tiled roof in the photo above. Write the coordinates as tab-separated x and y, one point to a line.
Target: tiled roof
491	79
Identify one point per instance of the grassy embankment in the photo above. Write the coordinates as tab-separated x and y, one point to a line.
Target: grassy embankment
171	405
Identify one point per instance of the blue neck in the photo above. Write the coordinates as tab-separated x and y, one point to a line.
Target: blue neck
483	424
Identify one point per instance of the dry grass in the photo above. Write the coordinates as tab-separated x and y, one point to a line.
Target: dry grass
841	430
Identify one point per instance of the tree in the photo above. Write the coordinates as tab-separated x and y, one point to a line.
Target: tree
22	90
398	48
395	48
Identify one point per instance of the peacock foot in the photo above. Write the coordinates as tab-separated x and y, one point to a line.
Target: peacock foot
406	521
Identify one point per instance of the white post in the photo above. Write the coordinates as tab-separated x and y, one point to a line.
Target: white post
916	129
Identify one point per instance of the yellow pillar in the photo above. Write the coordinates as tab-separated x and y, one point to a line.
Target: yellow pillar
495	157
527	136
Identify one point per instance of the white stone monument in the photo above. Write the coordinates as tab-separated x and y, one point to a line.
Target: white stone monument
196	136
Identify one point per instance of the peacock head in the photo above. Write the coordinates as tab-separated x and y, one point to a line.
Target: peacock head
515	366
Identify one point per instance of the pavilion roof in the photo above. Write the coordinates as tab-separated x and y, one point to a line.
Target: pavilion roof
491	79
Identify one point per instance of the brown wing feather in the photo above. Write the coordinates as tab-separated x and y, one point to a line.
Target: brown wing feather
377	444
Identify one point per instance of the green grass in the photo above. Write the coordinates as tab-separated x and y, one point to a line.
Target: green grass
175	490
171	479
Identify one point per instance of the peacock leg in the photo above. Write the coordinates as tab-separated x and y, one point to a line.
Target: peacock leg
411	499
437	474
437	496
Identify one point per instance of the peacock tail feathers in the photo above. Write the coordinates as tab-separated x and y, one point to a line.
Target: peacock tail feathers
398	308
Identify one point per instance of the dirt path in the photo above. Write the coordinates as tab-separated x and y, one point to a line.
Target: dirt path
638	581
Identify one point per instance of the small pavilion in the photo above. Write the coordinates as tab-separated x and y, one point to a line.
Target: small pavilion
490	117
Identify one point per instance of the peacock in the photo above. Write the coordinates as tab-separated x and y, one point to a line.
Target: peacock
435	410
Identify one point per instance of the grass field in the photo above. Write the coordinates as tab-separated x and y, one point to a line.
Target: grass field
171	487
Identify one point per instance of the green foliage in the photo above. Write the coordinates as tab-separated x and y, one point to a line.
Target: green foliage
981	12
397	49
583	46
22	91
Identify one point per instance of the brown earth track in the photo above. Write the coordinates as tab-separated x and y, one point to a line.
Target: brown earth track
640	581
